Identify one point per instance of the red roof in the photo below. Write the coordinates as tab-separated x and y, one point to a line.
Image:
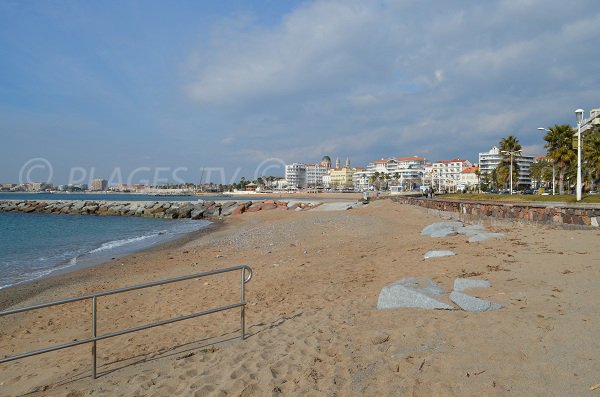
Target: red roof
470	170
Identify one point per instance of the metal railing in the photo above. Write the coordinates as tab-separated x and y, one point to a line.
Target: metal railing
94	338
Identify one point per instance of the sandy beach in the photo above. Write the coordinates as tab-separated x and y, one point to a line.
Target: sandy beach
311	319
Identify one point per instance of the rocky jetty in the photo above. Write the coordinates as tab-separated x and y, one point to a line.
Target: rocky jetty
153	209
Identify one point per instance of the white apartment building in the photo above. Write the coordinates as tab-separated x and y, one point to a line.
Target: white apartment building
314	175
592	121
488	161
446	173
295	175
407	171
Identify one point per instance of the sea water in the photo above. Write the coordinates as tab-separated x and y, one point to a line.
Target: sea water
36	245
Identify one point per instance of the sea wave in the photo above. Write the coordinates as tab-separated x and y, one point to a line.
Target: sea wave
119	243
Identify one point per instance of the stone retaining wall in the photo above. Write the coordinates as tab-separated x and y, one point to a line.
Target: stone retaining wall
152	209
542	213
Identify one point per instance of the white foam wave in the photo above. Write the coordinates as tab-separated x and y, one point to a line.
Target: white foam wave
119	243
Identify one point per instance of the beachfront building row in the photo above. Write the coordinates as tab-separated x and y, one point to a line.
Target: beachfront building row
404	172
489	161
302	176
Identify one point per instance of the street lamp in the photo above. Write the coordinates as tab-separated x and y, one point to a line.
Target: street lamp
553	165
511	153
579	115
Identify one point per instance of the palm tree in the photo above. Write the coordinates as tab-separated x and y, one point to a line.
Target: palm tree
560	150
374	178
541	171
509	145
397	177
478	175
382	177
591	153
502	174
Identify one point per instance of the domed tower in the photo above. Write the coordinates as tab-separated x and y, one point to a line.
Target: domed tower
326	162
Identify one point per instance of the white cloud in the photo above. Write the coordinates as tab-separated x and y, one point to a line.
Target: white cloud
403	77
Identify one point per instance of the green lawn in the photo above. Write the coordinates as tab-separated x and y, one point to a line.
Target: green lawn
565	198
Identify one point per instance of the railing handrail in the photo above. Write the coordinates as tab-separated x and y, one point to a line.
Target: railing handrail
130	288
94	338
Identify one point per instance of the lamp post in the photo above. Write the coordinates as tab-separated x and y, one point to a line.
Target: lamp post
511	153
553	165
579	115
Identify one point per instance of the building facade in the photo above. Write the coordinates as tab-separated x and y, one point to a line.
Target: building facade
489	161
341	177
406	172
99	185
591	121
295	175
446	173
314	175
469	178
301	175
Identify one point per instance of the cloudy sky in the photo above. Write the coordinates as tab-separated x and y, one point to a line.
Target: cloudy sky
140	90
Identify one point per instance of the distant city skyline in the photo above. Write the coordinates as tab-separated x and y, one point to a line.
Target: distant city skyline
235	86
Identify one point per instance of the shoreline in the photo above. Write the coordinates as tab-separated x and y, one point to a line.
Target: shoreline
26	291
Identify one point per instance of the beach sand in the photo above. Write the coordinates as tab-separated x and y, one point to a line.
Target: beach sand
311	319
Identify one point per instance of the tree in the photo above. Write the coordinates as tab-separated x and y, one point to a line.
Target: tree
478	175
541	172
509	145
559	144
591	153
374	178
386	177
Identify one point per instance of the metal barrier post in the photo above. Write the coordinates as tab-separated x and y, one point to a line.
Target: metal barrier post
243	307
94	336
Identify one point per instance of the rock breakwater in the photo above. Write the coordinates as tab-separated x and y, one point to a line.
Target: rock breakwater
152	209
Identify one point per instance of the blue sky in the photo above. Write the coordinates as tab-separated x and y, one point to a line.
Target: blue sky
113	88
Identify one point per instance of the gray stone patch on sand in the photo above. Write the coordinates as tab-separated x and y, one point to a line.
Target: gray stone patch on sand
476	233
484	236
412	292
442	229
460	284
471	304
437	254
470	230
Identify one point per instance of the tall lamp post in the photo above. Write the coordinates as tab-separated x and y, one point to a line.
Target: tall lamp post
511	153
579	115
553	165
